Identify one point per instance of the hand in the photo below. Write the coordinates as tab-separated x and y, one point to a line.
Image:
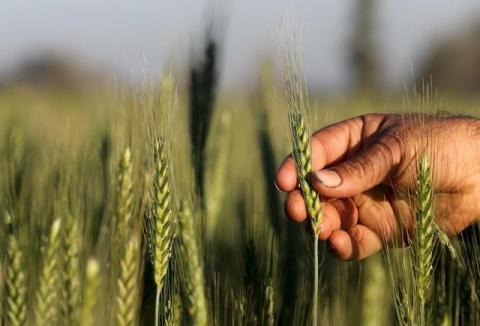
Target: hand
365	171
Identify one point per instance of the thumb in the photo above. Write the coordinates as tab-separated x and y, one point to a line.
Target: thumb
369	167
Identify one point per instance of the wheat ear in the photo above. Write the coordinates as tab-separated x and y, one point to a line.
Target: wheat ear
159	223
270	302
90	294
302	156
297	101
15	313
174	311
124	194
424	243
194	280
70	272
47	296
127	289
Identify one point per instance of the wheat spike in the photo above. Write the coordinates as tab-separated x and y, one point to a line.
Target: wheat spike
15	312
127	284
90	294
124	194
159	224
424	236
302	156
194	280
174	311
270	301
297	101
70	272
47	296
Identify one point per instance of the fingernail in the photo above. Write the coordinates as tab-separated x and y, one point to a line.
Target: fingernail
328	178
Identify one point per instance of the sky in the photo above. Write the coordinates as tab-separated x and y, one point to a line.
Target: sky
136	37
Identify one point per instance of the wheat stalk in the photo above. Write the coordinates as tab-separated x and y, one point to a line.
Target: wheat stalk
15	312
297	101
194	280
159	224
70	273
127	284
423	247
47	296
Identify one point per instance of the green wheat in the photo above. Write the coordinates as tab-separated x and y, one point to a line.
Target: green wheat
127	284
159	222
424	243
15	312
47	296
194	280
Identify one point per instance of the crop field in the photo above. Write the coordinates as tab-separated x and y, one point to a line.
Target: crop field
156	205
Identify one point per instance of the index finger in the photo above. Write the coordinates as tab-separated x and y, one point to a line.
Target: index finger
330	145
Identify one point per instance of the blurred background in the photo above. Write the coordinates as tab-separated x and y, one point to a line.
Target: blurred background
348	45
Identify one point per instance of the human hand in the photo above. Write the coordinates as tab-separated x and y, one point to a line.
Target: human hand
365	171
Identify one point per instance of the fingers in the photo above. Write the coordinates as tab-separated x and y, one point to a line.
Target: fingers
378	225
329	145
286	178
358	242
376	213
337	214
370	167
295	208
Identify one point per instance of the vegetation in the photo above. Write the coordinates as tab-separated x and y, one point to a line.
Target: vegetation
119	209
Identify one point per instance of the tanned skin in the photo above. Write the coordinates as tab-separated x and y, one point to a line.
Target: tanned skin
365	171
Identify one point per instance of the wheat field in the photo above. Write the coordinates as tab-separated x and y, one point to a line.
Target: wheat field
155	205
